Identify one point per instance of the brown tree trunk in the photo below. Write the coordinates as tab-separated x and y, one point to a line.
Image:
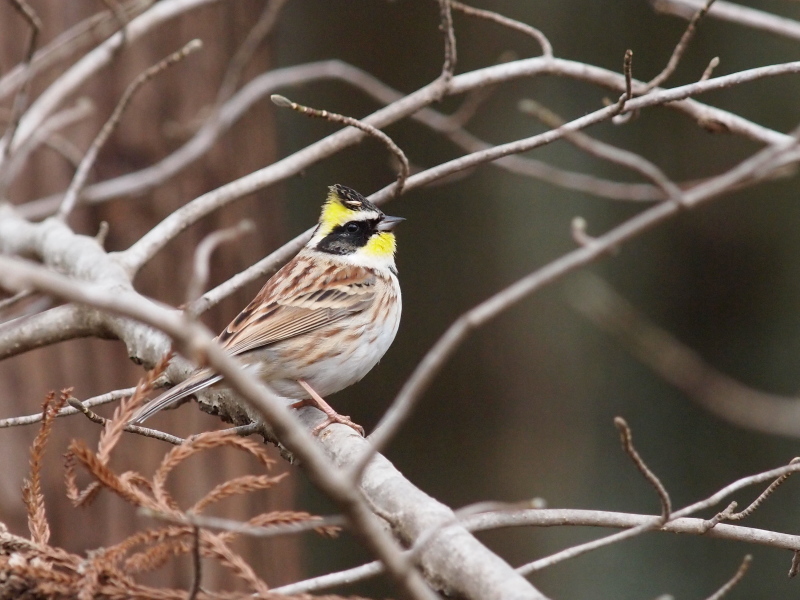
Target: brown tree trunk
160	118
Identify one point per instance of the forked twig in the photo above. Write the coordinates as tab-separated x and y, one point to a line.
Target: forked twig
618	156
284	102
79	180
627	444
66	411
729	515
137	429
679	50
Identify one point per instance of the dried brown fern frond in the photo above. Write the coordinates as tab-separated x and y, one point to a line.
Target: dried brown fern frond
234	487
29	572
112	431
287	517
199	443
32	488
106	477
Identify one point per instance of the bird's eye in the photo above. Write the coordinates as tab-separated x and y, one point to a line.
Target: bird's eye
352	227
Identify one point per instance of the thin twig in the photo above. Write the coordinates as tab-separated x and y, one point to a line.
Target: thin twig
627	444
795	566
14	165
763	496
284	102
202	255
575	551
618	156
120	16
260	31
679	50
149	244
547	48
450	53
619	117
7	303
709	70
733	13
751	169
79	180
733	581
66	411
680	365
21	98
143	431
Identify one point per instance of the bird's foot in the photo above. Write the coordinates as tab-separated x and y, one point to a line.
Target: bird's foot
332	416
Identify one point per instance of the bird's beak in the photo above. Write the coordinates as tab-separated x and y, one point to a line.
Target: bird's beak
388	223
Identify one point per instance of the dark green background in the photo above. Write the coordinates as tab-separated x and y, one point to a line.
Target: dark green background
526	406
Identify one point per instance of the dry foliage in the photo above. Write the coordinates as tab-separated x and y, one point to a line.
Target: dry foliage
34	569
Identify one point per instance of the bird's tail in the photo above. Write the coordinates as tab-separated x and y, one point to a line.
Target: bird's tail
192	385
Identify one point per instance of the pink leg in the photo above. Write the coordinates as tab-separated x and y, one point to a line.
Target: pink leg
318	402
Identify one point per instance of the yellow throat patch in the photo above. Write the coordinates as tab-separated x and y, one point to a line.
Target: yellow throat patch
381	245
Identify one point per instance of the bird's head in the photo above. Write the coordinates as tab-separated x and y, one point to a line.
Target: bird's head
352	226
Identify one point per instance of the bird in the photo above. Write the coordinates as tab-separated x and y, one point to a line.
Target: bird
322	321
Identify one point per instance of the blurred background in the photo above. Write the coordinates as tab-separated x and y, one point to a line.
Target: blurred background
525	409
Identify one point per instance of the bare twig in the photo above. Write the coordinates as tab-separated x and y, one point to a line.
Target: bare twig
733	13
143	431
733	581
681	366
450	54
7	303
547	48
95	401
79	180
762	497
82	109
202	255
618	156
77	37
21	99
120	16
795	566
627	444
709	70
680	48
284	102
74	77
748	170
575	551
261	30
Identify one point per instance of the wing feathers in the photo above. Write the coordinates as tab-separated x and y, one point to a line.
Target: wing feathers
195	383
296	301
